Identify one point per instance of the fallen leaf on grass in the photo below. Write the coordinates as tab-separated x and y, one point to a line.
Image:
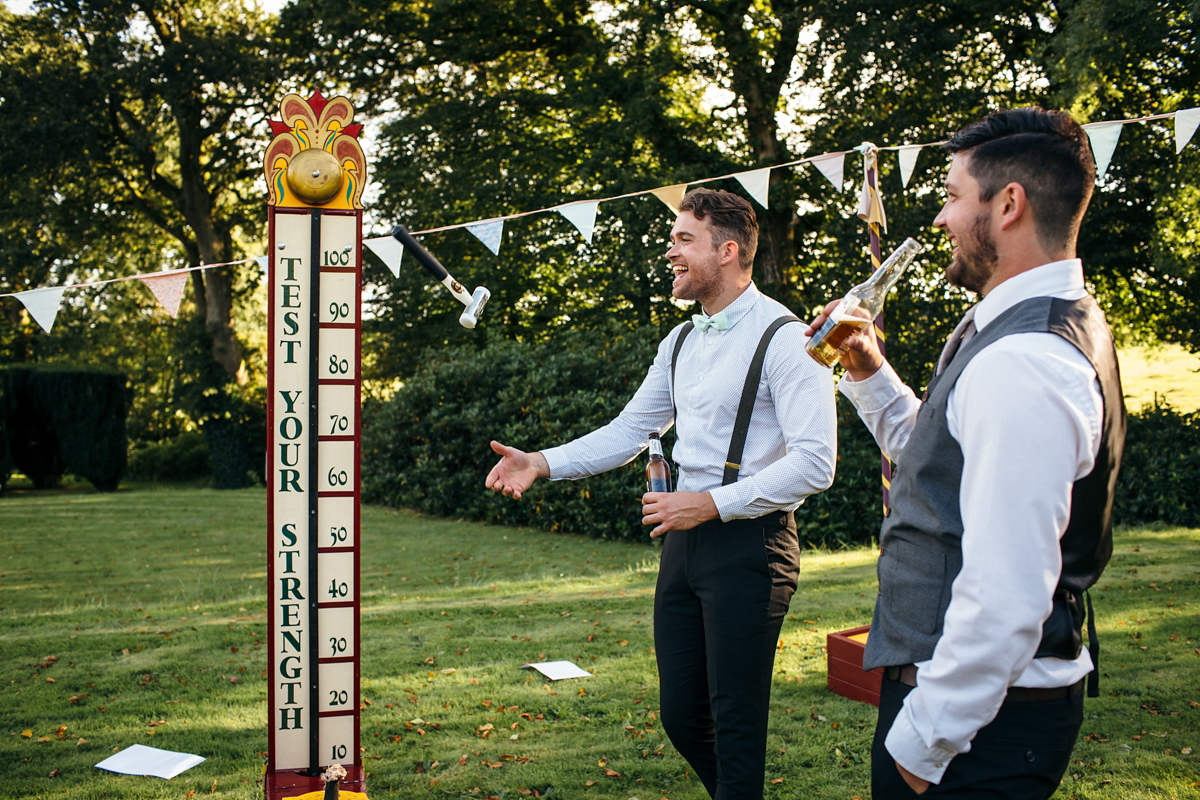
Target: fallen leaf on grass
611	773
27	733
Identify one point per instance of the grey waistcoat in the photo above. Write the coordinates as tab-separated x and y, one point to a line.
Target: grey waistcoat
921	539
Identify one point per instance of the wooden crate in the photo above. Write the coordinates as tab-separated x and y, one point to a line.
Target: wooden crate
844	657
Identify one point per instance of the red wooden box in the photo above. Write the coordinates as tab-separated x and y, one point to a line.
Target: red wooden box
844	655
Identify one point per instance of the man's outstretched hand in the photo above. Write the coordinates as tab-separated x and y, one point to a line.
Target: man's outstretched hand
516	470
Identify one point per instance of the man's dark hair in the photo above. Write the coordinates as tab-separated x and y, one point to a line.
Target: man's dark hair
1047	152
730	217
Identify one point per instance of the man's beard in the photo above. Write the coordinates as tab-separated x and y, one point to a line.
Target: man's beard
975	262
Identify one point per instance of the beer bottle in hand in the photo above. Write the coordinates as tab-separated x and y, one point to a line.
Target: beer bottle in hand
658	472
859	307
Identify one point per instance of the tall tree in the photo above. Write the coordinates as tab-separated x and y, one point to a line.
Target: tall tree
138	115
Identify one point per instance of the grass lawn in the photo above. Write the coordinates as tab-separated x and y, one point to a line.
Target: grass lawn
139	617
1166	372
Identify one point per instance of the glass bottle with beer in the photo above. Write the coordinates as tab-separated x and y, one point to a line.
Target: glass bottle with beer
860	306
658	472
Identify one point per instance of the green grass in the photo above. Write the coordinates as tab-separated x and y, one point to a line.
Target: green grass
139	617
1155	373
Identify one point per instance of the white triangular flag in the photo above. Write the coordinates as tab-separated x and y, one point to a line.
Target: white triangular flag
671	196
1185	125
756	182
168	289
42	304
582	216
832	166
490	232
1103	136
389	251
262	262
908	161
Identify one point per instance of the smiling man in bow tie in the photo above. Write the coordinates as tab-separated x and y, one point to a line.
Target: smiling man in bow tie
751	445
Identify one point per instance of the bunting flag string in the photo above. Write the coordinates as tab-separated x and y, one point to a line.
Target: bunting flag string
167	287
42	304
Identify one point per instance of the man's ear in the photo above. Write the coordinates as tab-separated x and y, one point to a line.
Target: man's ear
728	252
1013	204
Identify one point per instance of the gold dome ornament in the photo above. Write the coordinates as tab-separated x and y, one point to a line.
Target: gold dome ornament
314	176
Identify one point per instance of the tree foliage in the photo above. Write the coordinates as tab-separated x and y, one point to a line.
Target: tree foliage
133	147
493	109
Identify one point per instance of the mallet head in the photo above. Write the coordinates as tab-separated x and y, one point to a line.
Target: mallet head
471	315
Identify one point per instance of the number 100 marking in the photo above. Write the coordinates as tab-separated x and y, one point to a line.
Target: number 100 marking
336	258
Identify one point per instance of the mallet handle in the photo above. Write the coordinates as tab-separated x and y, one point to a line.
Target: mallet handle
401	234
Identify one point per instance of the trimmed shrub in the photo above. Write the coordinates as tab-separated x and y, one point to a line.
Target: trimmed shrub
236	439
64	418
1161	469
184	458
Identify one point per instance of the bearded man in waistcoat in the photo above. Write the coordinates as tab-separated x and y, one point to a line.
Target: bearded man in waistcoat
1001	505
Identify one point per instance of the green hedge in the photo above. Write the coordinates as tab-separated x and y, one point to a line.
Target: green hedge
55	419
184	458
1160	474
428	447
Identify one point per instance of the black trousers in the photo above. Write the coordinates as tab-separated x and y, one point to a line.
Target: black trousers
723	590
1020	755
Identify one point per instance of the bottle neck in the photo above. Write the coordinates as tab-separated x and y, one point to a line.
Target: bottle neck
871	294
655	447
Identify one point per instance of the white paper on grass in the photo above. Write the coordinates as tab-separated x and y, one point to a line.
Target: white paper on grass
558	670
138	759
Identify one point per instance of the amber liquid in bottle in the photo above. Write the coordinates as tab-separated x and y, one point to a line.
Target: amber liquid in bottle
859	307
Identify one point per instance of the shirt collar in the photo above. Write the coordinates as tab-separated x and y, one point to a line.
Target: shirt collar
740	307
1056	278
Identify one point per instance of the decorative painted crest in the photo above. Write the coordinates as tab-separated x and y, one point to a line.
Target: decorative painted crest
315	158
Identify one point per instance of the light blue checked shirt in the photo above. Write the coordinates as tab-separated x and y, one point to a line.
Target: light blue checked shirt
791	447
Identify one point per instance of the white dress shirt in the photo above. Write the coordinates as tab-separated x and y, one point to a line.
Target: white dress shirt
1027	413
791	447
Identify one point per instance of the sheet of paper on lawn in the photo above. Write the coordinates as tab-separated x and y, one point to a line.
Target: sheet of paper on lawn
557	670
137	759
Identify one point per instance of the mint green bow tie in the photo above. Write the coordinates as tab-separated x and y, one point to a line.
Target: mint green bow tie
717	320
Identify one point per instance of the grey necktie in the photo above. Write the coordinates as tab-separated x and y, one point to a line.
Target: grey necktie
962	334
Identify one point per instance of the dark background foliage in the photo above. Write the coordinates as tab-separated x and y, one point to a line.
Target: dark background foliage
58	418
